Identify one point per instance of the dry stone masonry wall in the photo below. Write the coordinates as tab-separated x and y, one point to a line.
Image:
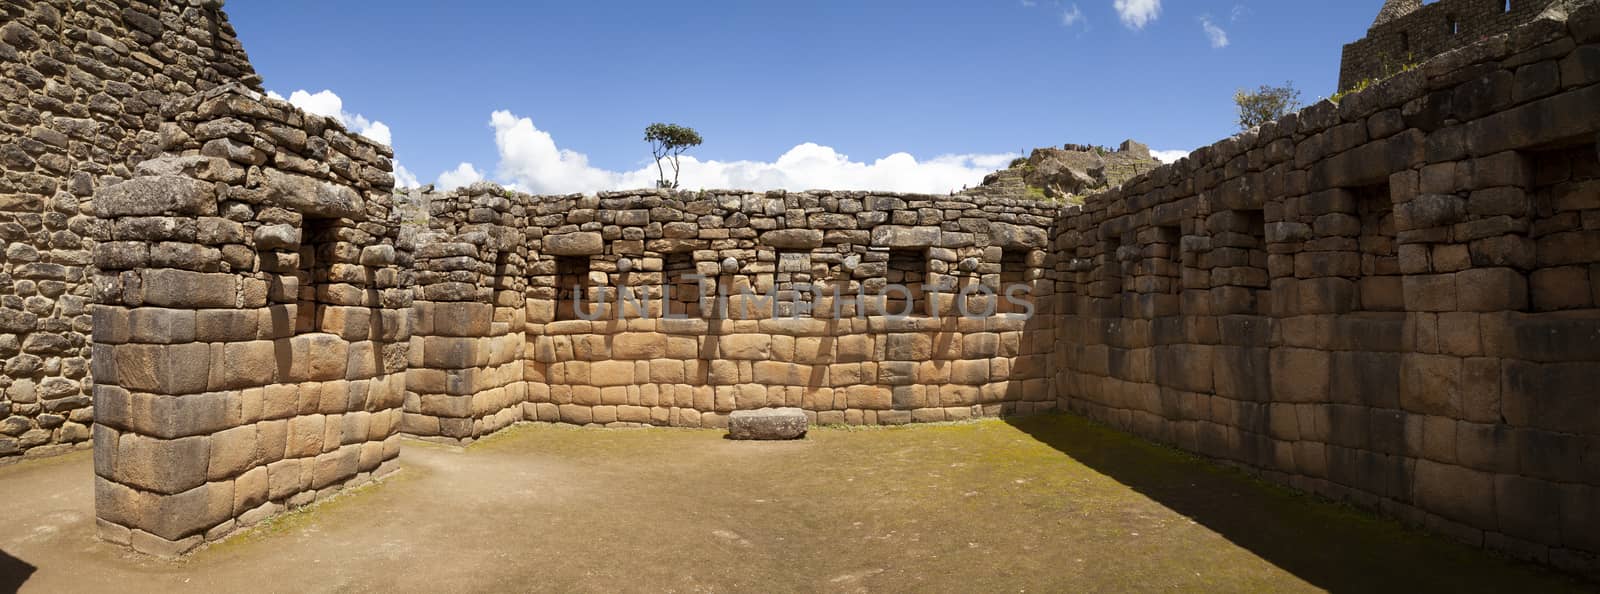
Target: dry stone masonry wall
251	337
1390	301
83	87
466	369
498	338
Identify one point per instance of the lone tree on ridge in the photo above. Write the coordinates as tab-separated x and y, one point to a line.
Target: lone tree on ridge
1266	104
668	141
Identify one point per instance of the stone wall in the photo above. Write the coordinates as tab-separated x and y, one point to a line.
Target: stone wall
251	328
466	373
707	349
1390	301
82	86
1408	32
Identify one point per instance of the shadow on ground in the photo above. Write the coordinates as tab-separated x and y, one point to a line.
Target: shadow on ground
13	572
1331	546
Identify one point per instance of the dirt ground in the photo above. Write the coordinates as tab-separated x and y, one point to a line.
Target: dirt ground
1048	503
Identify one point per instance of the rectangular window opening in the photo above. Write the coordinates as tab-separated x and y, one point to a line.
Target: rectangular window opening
317	237
794	278
1564	190
684	291
572	280
1379	285
1014	272
908	268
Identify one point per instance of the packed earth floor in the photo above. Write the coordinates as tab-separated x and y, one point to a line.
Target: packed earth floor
1048	503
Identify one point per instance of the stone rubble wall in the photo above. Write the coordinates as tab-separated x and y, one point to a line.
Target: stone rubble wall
466	368
1409	32
82	87
1390	301
251	327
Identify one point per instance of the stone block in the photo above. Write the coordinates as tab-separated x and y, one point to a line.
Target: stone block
233	451
868	397
1300	375
1431	384
767	424
639	345
461	318
156	325
165	466
1554	397
906	346
166	287
163	369
156	195
1524	506
793	238
750	347
1428	211
1430	292
574	244
1491	289
1456	492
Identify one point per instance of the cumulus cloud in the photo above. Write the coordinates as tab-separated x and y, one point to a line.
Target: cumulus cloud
1071	16
1219	37
1169	156
404	178
463	175
1137	13
328	104
530	160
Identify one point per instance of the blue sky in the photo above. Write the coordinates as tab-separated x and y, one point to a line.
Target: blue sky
554	96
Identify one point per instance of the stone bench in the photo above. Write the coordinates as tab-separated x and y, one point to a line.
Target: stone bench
767	424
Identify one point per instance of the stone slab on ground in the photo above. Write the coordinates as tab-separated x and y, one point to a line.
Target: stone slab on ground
767	424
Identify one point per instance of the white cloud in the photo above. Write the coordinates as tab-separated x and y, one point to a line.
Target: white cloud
1137	13
328	104
1239	12
1219	38
1169	156
531	161
1071	16
404	178
1029	3
463	175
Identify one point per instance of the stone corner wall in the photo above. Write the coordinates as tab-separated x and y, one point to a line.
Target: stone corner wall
250	331
1392	301
466	376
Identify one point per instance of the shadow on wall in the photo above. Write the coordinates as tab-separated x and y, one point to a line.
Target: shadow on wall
13	572
1330	546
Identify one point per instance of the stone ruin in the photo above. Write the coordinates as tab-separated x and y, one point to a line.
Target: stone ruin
1068	173
1393	300
1409	32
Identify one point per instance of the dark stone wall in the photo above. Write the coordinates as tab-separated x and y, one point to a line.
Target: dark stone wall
1393	300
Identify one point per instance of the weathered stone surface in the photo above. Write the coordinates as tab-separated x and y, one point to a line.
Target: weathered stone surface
767	424
574	244
793	238
312	197
155	195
